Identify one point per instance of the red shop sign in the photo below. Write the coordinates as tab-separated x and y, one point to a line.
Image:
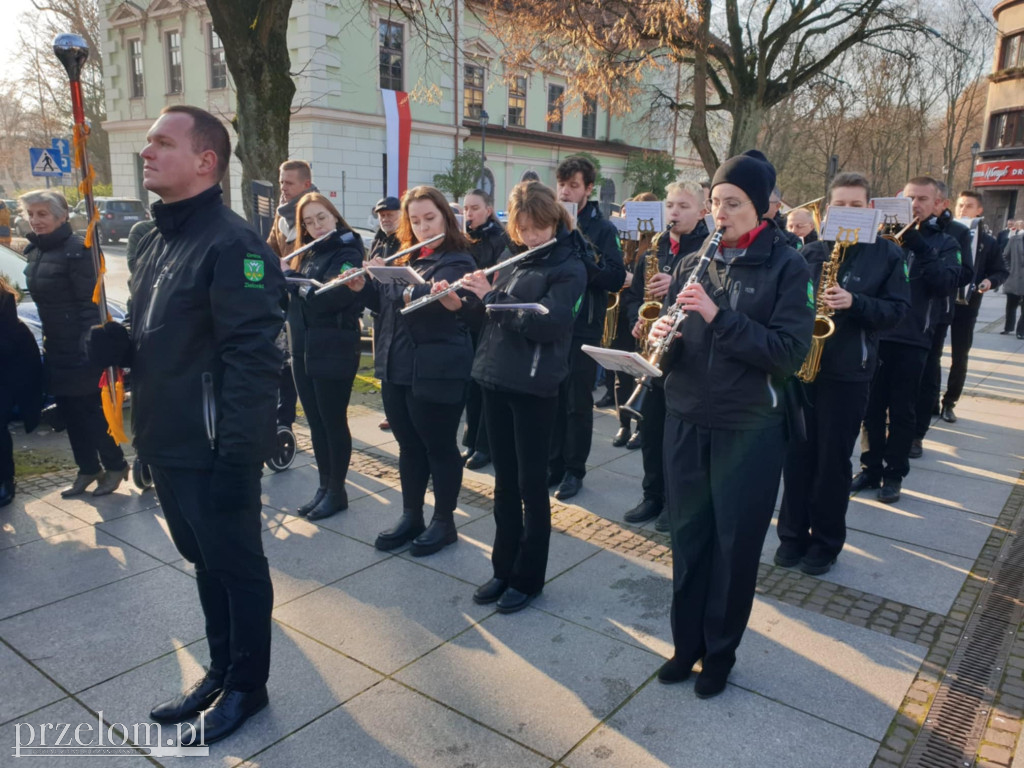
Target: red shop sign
999	173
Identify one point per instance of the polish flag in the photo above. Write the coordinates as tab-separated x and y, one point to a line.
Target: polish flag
399	125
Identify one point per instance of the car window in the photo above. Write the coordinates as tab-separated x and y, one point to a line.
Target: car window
12	266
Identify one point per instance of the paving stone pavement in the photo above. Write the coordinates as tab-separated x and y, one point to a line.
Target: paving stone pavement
384	660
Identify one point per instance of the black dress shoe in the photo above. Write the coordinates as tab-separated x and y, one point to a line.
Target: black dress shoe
513	600
439	534
191	702
6	492
467	453
710	682
554	480
569	487
817	562
410	525
916	448
621	437
490	592
306	508
1005	333
889	493
478	460
228	713
862	481
634	441
661	525
646	510
948	415
674	671
789	554
607	401
332	503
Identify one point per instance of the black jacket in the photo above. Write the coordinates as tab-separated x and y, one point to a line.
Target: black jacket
933	273
730	374
990	265
874	274
529	352
633	296
61	279
207	307
791	240
324	327
384	245
489	242
21	369
605	272
429	349
962	235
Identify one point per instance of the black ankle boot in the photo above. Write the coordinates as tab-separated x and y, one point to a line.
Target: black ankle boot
333	502
410	525
306	508
439	534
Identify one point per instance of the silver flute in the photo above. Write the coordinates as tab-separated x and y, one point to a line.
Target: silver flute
339	281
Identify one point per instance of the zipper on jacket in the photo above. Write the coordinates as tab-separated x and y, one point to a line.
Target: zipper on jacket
863	349
771	390
209	409
536	359
928	316
156	290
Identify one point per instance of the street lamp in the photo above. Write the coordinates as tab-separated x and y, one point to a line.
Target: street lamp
975	149
483	145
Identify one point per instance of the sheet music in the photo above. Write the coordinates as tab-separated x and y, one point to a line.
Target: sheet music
570	207
894	206
620	360
644	217
840	220
396	275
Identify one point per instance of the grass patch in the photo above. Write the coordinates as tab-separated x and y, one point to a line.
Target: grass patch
33	461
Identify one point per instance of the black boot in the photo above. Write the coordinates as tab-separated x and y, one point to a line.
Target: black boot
334	501
6	492
410	525
191	702
439	534
227	714
306	508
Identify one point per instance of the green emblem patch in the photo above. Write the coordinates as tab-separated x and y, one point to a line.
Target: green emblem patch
252	268
958	258
906	271
576	307
810	294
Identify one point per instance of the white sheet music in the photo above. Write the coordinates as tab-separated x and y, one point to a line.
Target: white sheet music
843	223
396	275
644	216
899	207
620	360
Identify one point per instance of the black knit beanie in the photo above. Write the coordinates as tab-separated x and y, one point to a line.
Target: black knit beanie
752	173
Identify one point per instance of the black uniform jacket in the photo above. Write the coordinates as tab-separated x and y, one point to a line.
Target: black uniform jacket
61	278
633	296
990	265
529	352
933	275
962	235
324	327
21	370
207	306
384	244
730	374
874	274
605	272
489	243
429	349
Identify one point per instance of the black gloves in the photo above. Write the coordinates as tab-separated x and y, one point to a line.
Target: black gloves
234	487
914	240
109	345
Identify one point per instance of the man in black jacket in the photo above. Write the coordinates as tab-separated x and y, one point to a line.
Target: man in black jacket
871	295
574	427
933	266
388	211
207	303
989	273
684	206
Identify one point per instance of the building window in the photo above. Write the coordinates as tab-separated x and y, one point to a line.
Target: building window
589	128
517	102
391	36
1012	52
218	64
1006	129
135	68
473	91
555	93
173	40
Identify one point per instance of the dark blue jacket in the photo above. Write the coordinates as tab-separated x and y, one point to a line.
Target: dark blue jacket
605	272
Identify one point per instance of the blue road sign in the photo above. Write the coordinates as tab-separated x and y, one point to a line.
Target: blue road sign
44	162
63	148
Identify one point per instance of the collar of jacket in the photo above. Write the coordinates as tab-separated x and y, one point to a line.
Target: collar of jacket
50	240
171	217
594	211
932	224
477	232
943	219
758	251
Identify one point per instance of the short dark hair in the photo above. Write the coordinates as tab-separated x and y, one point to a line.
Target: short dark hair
972	193
305	173
208	133
925	181
850	179
577	164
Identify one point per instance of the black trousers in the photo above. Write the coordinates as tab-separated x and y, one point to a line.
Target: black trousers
287	397
652	438
893	396
720	489
818	470
520	425
325	402
232	574
91	444
6	441
931	383
1014	300
574	420
427	435
961	336
474	436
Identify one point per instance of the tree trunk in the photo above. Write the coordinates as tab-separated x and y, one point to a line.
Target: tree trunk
698	130
747	116
254	33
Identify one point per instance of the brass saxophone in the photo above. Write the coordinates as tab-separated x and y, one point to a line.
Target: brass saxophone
650	310
824	325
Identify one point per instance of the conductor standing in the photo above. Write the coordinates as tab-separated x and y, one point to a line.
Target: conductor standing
206	308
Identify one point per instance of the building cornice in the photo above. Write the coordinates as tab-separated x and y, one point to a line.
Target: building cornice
323	114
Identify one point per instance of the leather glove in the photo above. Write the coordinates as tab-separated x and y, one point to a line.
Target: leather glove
234	487
914	240
109	345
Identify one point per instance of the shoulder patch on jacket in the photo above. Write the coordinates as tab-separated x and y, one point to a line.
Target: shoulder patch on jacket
252	268
959	258
576	306
906	272
810	294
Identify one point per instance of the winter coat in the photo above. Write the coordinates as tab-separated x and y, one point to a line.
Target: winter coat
489	242
1014	256
605	272
21	369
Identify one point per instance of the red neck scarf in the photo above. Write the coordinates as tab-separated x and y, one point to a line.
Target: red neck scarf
747	239
673	245
424	253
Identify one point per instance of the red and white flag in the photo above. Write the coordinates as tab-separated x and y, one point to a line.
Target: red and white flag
399	126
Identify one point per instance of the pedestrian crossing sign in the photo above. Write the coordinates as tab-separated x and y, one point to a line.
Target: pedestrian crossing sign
45	162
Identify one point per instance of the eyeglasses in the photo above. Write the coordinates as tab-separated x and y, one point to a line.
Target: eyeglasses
730	205
320	218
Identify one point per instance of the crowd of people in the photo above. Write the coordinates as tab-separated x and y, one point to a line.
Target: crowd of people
489	321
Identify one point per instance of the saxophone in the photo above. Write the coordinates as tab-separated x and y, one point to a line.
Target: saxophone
650	310
824	325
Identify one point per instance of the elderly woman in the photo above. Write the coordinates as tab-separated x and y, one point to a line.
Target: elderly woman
61	279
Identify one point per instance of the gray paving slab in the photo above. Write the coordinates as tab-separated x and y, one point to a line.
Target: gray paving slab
607	493
25	687
365	431
986	438
28	518
947	489
95	509
146	530
540	680
286	491
471	559
668	727
386	615
390	726
47	570
88	638
306	681
962	461
602	451
303	557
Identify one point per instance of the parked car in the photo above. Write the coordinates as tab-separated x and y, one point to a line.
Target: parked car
367	235
117	216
